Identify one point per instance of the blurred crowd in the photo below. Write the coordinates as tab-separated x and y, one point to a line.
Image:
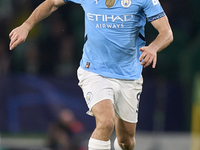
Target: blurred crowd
53	46
62	133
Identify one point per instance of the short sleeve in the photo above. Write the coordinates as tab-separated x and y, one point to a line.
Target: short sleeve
153	10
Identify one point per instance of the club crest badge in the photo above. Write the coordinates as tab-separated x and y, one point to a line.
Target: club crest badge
126	3
89	97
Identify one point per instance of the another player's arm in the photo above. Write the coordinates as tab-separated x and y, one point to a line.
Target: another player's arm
164	38
19	34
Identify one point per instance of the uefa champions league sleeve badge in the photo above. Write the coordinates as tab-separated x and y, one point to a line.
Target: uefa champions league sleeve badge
126	3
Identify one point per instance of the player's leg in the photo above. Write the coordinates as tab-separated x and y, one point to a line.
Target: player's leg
125	132
99	98
127	97
105	120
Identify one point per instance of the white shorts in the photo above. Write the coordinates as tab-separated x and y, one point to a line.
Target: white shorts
124	94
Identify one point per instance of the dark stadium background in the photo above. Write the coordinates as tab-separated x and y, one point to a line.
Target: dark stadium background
38	78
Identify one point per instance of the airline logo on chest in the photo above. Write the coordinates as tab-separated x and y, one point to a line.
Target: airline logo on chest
109	21
111	18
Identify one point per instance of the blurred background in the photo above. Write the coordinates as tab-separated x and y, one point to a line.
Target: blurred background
42	107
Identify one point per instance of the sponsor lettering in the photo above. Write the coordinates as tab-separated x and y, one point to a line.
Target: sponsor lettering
105	18
109	18
110	26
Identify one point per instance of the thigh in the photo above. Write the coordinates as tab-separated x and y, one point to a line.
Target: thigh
104	110
95	88
105	120
124	130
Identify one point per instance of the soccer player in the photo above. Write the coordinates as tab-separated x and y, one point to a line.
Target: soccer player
114	55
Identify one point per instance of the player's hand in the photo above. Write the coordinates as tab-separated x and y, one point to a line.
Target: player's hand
18	35
148	56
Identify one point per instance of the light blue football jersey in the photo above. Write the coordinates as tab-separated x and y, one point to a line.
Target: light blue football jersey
114	35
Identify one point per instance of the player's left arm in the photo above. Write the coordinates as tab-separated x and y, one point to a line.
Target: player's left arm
164	38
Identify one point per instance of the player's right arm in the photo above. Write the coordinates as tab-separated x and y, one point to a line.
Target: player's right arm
19	34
